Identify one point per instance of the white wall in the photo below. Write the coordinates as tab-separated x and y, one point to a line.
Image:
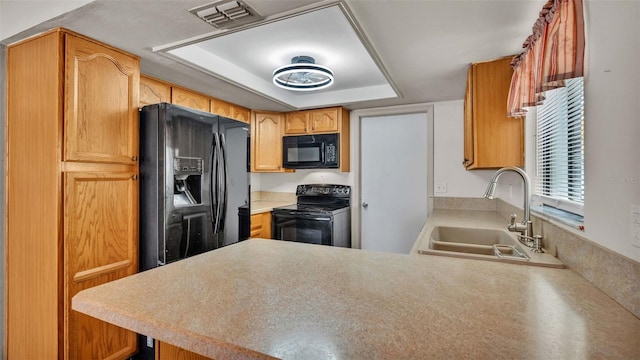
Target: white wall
287	182
612	125
448	148
17	16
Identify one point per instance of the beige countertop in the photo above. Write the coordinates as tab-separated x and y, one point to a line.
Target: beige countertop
260	299
261	206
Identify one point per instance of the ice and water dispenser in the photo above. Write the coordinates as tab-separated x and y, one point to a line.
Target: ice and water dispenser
186	231
187	181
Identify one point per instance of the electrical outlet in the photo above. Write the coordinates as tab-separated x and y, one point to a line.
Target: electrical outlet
635	225
441	188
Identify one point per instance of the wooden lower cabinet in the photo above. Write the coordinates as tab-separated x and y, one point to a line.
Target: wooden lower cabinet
261	225
100	232
166	351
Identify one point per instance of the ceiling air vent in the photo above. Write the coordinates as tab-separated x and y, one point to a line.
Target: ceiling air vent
226	14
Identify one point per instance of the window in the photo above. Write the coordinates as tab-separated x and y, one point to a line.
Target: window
559	180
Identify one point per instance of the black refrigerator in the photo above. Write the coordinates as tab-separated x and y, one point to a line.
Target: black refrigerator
193	181
194	187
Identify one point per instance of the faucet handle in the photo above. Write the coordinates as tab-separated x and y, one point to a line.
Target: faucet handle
512	221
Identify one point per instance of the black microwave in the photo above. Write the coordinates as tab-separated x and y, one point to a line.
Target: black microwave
311	151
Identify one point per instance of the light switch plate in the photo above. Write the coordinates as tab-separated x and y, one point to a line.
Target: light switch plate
635	225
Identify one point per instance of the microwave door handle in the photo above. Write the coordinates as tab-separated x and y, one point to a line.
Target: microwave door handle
322	152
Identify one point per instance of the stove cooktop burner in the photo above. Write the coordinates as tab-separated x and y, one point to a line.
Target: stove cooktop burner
319	198
312	208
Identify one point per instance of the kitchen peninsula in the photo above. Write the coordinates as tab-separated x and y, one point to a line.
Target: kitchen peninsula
276	299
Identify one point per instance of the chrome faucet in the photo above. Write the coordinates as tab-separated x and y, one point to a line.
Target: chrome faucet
526	227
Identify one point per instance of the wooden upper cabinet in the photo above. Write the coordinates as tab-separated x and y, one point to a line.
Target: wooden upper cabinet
153	91
241	114
221	108
230	110
267	129
101	242
324	120
491	138
296	122
312	121
190	99
100	103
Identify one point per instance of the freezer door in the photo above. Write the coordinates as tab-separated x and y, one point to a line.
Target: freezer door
235	188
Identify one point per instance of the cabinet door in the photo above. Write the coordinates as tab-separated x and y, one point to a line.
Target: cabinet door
498	139
221	108
324	120
296	122
100	103
190	99
261	225
266	138
241	114
468	120
169	352
153	91
100	245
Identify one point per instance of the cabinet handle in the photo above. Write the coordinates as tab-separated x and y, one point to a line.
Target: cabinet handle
135	177
134	158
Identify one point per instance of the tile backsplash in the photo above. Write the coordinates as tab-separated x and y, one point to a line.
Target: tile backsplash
273	196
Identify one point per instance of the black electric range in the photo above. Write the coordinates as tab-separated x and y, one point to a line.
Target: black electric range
321	215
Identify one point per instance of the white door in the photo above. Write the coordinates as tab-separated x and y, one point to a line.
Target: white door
394	185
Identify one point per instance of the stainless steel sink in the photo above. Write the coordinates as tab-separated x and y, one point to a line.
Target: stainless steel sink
483	244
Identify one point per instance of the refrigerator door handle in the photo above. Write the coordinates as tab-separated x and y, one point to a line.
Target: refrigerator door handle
223	183
218	191
213	186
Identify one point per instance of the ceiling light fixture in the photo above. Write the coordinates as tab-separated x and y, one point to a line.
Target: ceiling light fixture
303	74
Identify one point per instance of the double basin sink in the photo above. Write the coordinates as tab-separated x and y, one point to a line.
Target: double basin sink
484	244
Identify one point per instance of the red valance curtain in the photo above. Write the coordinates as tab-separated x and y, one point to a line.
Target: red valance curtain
553	53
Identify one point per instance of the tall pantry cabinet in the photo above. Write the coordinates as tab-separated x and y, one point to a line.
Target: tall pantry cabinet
72	192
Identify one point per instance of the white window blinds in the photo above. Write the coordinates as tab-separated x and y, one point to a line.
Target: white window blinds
560	147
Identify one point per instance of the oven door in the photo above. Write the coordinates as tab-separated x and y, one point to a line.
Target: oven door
306	228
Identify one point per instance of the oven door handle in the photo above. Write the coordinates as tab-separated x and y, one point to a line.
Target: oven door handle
302	216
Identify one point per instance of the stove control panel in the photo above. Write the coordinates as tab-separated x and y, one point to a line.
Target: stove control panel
324	190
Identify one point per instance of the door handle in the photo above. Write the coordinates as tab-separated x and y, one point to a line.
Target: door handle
365	205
